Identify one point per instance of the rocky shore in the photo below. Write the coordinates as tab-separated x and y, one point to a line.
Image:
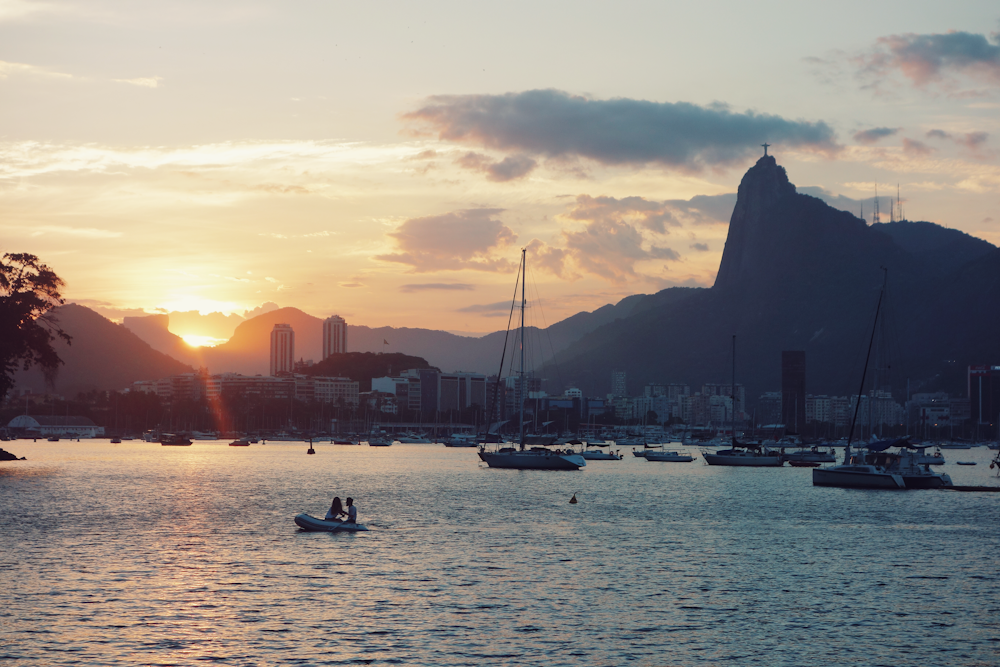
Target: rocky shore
7	456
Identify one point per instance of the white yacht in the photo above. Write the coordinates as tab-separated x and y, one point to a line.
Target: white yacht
856	473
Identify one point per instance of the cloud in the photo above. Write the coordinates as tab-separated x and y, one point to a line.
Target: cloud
423	287
351	284
935	58
498	308
869	137
700	247
265	307
914	147
80	232
555	124
651	215
974	141
617	235
142	82
704	209
510	168
14	69
453	241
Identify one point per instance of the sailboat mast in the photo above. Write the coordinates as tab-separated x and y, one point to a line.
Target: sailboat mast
857	406
524	275
732	397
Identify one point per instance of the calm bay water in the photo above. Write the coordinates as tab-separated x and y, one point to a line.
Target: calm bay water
136	554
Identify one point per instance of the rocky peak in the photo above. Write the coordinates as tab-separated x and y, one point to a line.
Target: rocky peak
751	227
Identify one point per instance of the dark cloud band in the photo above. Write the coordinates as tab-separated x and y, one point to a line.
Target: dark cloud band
556	124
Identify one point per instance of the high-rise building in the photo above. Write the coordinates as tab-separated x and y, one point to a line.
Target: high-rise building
793	390
618	387
334	336
984	399
282	349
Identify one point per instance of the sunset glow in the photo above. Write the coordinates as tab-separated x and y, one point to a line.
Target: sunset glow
177	159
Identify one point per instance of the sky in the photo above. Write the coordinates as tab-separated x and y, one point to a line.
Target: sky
387	161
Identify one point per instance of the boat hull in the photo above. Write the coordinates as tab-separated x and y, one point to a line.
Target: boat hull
600	456
743	459
669	457
854	480
530	460
311	523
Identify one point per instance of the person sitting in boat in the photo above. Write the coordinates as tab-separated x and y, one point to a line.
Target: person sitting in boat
352	511
336	510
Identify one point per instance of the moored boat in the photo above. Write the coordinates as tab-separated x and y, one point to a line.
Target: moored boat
517	456
670	457
857	472
174	440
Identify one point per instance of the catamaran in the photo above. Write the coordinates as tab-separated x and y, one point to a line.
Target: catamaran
856	471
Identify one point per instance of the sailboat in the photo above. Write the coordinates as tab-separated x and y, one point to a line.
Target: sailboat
857	472
741	454
516	455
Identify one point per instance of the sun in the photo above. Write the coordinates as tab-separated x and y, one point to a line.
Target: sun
201	341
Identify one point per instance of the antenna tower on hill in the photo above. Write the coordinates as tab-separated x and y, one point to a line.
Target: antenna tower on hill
875	219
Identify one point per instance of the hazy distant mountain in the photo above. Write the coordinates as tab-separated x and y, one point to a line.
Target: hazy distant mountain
248	351
797	274
103	355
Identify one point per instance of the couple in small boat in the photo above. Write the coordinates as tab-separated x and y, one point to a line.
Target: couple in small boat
337	510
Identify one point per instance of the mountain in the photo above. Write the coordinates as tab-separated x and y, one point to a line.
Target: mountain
797	274
248	351
102	356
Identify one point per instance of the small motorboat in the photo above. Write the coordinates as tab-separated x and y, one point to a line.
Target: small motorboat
965	463
311	523
242	442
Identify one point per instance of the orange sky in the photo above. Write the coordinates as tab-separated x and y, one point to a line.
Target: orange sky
387	163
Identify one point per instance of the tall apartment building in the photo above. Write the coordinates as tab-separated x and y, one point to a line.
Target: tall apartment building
793	390
334	336
282	349
984	399
618	387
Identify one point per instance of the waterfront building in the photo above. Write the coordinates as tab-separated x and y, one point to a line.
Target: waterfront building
48	426
334	336
336	390
282	349
769	408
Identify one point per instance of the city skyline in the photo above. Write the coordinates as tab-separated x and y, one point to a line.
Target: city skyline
331	159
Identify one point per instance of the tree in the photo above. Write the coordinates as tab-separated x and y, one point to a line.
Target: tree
28	291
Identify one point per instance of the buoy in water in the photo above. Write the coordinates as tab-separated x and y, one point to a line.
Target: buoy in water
573	500
310	451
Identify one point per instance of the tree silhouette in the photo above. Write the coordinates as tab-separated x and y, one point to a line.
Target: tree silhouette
28	291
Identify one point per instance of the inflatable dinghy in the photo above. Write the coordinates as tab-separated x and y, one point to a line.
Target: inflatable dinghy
306	522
